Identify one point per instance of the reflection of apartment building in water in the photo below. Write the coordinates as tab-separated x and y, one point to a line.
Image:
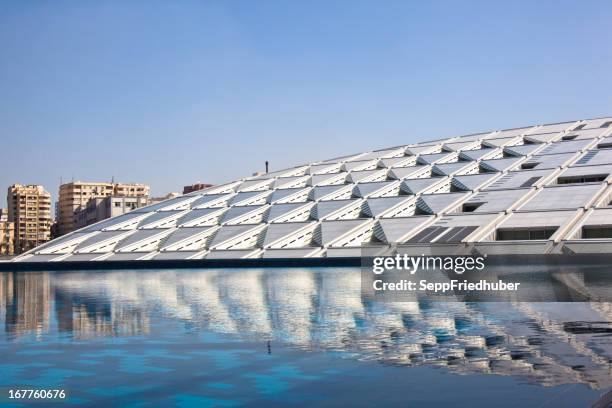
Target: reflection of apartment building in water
74	197
7	234
27	302
29	208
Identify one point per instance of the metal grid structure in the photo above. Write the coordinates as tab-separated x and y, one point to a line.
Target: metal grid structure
540	189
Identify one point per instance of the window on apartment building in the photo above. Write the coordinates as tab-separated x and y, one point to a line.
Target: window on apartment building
606	124
580	126
117	204
601	231
522	234
592	178
470	207
569	137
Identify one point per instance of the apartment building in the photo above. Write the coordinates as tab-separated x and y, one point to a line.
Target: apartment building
75	195
29	209
7	234
98	209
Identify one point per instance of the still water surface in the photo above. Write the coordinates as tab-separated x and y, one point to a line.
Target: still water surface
277	337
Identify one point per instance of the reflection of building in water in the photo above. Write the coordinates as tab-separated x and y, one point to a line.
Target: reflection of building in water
545	343
27	302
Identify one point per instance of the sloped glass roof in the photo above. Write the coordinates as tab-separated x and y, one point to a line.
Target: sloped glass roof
542	175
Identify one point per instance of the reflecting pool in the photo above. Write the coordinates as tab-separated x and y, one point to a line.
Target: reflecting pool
278	337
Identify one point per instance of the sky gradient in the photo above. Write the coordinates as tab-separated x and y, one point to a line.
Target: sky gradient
172	93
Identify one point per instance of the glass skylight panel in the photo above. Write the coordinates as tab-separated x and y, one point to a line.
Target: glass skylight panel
515	132
498	165
563	197
493	201
142	240
162	219
327	179
520	179
472	181
124	221
556	127
178	203
366	176
595	157
395	230
565	147
603	123
278	232
523	150
285	195
328	231
548	161
211	200
433	158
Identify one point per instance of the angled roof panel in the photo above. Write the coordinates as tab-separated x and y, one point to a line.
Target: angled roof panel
178	203
566	146
563	197
327	179
102	240
472	181
548	161
403	161
278	210
399	173
497	200
520	179
475	154
323	209
276	232
499	142
374	207
236	212
321	192
448	169
543	137
363	190
228	232
125	221
366	175
522	150
211	200
184	235
394	230
142	240
416	186
437	203
602	123
433	158
284	194
499	164
162	219
290	182
329	231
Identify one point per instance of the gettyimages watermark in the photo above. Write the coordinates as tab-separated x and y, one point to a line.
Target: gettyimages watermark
402	277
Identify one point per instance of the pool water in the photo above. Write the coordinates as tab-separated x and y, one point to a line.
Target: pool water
279	337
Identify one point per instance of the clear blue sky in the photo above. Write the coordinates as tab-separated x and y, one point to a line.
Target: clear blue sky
174	92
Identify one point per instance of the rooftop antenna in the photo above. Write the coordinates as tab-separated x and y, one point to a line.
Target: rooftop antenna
267	166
